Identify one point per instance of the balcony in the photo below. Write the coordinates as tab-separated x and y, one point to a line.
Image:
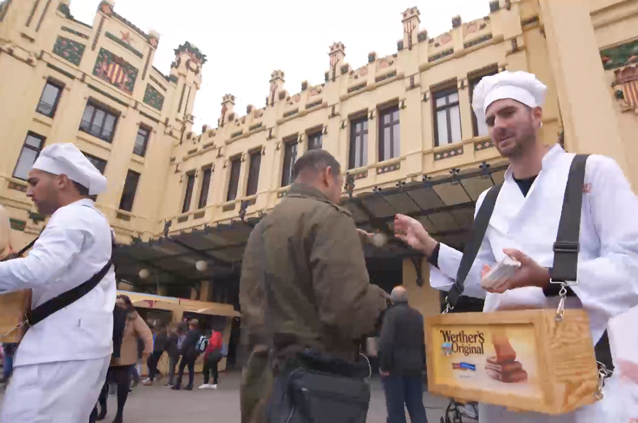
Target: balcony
97	131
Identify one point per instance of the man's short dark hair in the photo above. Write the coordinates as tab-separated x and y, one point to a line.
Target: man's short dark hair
316	160
82	190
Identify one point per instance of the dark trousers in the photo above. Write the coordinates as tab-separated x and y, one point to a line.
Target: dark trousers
210	366
190	362
152	362
121	376
404	390
172	364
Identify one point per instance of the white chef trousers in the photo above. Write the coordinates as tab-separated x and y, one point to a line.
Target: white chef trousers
54	392
615	407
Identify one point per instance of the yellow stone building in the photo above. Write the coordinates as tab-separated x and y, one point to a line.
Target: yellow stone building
183	200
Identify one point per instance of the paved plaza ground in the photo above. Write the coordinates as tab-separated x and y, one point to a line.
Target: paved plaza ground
158	404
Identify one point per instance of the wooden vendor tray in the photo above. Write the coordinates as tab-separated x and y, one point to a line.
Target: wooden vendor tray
523	360
13	307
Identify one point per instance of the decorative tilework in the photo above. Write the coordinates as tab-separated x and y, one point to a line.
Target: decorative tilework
17	187
357	87
282	194
482	145
229	207
153	98
386	76
255	127
124	44
74	32
236	134
315	104
291	113
115	70
389	168
441	55
182	219
360	175
199	215
69	50
18	225
622	55
453	152
478	41
36	217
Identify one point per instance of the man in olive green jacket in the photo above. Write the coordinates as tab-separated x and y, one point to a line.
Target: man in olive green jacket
319	295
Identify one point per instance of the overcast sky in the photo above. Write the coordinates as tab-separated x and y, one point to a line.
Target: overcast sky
246	40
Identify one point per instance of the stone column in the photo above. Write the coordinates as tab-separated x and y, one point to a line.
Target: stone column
591	125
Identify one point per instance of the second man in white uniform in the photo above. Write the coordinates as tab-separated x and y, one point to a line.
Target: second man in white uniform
61	363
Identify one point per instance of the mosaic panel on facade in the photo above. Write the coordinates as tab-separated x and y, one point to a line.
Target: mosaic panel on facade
69	50
115	70
622	55
153	98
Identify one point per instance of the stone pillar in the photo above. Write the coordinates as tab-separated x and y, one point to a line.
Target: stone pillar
205	290
590	123
423	298
467	129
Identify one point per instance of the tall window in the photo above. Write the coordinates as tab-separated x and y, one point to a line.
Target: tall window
233	183
447	117
389	135
188	195
141	141
290	157
253	172
100	164
130	187
315	141
30	152
358	143
479	128
98	121
49	99
203	195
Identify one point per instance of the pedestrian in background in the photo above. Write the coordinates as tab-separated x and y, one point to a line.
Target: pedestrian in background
160	342
120	371
189	353
212	357
402	359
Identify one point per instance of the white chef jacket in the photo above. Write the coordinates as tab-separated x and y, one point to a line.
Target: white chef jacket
608	257
75	245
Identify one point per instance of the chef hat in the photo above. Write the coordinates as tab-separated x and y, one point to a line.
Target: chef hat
66	159
520	86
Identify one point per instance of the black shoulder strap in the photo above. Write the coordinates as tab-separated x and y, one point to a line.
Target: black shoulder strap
566	246
67	298
472	248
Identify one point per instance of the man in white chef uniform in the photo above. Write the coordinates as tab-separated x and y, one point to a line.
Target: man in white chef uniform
61	363
525	220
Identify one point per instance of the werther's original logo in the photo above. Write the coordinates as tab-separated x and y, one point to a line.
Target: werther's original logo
464	343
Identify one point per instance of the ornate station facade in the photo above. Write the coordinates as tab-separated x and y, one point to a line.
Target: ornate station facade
182	200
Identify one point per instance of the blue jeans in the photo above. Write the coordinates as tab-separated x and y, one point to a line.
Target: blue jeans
404	390
7	365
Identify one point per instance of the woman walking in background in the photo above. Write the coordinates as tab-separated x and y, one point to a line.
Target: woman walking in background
176	335
212	357
120	370
160	343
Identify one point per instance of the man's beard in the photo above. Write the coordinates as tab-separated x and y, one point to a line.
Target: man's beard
521	141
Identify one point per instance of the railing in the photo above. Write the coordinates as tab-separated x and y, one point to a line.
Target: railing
96	131
45	108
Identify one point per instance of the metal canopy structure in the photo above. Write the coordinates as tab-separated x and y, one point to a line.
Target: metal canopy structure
172	259
444	205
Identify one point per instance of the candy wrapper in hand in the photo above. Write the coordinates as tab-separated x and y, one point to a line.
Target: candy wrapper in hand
503	270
